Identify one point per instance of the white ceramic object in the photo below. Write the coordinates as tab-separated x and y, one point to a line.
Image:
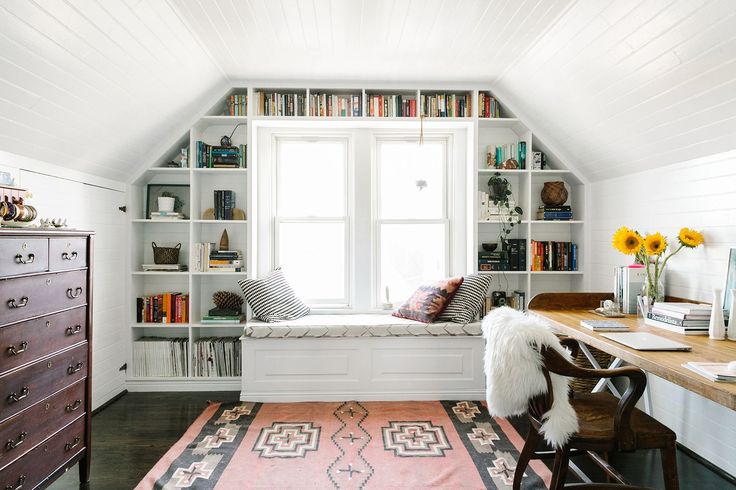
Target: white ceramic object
717	327
166	204
731	332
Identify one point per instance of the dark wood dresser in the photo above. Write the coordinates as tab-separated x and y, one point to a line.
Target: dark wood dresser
45	355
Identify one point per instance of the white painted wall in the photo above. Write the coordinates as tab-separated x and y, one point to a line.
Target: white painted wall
88	203
700	194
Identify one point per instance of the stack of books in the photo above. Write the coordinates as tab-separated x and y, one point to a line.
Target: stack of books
628	282
554	256
206	258
446	105
392	106
162	308
487	211
604	326
497	155
714	371
333	105
156	356
222	319
164	267
209	156
281	104
237	105
517	253
488	106
494	261
224	204
216	356
554	213
166	216
683	318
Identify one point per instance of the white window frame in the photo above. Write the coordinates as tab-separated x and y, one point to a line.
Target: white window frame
377	221
302	136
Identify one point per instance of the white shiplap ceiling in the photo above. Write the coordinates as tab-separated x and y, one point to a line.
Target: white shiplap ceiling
611	86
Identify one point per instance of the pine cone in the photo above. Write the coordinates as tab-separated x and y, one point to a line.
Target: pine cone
225	300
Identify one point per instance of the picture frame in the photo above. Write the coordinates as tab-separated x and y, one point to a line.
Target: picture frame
154	191
730	282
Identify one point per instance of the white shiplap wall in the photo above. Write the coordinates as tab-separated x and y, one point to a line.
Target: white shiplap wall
700	194
62	193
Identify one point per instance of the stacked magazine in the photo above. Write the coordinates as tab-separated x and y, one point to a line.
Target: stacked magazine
714	371
683	318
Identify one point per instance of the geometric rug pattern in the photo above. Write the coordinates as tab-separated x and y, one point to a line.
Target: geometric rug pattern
417	444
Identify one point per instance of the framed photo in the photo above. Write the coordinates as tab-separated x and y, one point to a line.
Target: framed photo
179	191
730	280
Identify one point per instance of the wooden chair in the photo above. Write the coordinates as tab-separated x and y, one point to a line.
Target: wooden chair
606	424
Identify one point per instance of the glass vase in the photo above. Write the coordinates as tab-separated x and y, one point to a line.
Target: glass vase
651	293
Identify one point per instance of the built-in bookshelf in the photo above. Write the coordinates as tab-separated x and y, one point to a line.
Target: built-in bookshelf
238	114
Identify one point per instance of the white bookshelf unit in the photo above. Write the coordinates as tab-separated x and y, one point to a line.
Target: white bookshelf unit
212	125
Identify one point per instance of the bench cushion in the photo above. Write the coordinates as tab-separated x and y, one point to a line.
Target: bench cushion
359	325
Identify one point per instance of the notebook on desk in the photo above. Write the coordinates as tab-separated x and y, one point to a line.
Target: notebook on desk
645	341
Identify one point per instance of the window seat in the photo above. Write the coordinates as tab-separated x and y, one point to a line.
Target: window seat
357	325
361	357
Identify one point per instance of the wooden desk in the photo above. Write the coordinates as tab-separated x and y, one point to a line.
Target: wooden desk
667	365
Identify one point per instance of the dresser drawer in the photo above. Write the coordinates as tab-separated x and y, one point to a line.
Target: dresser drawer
21	432
23	256
26	386
27	297
25	342
44	459
67	253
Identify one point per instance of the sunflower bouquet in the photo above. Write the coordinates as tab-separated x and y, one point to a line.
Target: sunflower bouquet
650	251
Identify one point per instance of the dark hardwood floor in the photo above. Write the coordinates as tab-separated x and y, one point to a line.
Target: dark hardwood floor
130	435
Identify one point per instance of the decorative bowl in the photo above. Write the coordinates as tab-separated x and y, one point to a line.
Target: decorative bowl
489	247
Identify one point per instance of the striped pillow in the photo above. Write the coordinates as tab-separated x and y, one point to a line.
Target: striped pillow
272	299
467	303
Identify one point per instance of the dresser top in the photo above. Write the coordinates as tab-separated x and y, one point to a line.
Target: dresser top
10	232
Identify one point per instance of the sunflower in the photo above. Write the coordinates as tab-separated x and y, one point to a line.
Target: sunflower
627	241
655	244
690	238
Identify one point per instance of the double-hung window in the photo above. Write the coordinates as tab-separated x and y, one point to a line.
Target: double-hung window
411	218
312	228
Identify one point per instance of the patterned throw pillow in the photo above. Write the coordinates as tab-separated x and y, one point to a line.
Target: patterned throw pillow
468	301
272	299
429	300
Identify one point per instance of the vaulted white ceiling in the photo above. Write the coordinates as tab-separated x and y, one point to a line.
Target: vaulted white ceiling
610	86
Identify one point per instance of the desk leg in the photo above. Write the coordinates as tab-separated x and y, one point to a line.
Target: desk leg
647	397
604	382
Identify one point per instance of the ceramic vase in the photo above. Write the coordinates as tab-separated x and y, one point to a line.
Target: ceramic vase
717	327
731	333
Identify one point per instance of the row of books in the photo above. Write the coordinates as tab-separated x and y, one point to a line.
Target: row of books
237	105
157	356
281	104
682	318
446	105
554	256
206	258
554	213
497	155
209	156
334	105
224	203
392	106
488	211
162	308
216	356
488	106
627	284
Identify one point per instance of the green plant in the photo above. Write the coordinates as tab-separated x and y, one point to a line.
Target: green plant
178	203
500	192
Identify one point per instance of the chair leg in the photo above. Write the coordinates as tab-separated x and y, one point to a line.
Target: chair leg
559	470
530	445
669	466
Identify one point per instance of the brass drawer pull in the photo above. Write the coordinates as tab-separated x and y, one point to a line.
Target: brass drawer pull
74	330
73	294
14	397
11	444
71	445
73	407
75	369
21	481
12	351
23	302
20	260
66	256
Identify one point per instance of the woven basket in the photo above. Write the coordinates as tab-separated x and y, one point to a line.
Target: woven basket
166	255
582	385
554	193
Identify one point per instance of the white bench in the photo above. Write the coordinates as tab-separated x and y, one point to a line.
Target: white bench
361	357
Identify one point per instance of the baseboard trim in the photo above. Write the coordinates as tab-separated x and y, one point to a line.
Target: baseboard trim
715	469
109	402
362	396
188	384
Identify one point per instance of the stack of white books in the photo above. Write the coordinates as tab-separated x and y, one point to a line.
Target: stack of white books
684	318
164	267
166	216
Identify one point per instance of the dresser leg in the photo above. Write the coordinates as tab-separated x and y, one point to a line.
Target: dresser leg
84	468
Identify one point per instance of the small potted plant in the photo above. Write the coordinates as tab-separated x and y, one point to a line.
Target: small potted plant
169	202
500	192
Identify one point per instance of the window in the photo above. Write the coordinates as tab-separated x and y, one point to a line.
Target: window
311	221
411	215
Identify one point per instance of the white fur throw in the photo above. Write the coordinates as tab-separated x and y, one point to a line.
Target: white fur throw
514	375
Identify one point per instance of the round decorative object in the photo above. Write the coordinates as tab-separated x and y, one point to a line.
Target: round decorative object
225	300
510	164
489	247
554	193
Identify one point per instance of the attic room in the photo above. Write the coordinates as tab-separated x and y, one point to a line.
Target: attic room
367	244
